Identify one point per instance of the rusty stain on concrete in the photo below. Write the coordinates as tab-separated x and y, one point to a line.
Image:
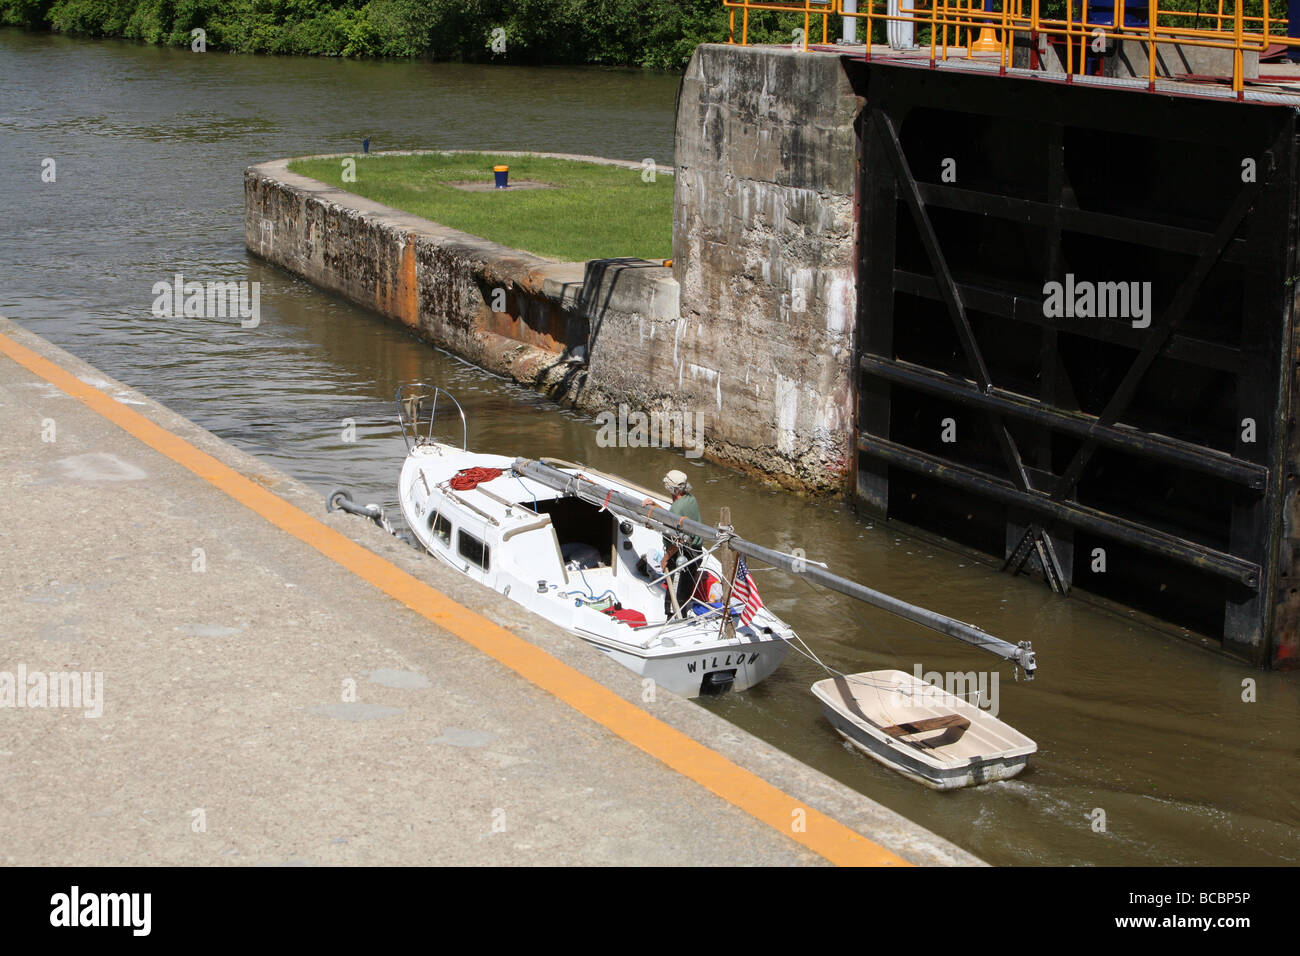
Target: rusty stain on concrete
408	289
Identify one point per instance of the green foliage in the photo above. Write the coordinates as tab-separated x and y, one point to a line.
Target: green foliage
657	34
32	14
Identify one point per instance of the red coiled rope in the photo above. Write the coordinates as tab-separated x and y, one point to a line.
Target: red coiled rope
469	478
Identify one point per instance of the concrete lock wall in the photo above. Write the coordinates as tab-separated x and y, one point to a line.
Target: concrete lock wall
442	284
757	340
764	241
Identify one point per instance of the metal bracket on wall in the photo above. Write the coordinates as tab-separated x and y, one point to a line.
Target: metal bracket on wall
1036	538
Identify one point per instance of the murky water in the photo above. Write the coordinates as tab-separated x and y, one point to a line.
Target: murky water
149	148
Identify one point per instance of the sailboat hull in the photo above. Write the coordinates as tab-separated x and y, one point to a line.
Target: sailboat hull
693	674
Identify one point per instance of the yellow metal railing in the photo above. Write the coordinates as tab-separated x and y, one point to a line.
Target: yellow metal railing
809	9
955	25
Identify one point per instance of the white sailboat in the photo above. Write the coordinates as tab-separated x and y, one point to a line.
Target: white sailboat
576	563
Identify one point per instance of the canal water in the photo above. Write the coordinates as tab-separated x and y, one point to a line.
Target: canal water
1140	730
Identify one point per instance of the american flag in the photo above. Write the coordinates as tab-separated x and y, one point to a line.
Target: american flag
747	591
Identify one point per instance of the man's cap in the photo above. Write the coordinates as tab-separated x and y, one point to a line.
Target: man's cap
674	479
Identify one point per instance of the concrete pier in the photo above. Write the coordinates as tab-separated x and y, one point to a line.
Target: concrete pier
280	685
756	358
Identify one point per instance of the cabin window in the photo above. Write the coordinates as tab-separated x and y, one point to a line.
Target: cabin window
473	550
440	527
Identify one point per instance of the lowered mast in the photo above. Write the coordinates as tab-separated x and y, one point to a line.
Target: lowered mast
1021	654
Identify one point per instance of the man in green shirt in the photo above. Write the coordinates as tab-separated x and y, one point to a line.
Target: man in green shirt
683	548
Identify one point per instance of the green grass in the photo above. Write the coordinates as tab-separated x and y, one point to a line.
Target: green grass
598	212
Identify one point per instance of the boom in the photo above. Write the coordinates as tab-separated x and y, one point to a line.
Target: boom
655	516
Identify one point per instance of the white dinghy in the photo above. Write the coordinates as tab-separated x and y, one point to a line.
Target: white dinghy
922	731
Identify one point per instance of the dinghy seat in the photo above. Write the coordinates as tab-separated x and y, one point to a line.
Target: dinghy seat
953	725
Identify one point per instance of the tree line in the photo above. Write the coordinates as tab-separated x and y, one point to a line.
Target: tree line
653	34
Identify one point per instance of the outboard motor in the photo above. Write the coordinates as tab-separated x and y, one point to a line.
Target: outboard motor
717	682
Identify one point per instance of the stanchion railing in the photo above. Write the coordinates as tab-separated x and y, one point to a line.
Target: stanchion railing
952	26
822	9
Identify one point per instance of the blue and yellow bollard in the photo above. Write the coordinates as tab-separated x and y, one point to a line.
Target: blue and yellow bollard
988	39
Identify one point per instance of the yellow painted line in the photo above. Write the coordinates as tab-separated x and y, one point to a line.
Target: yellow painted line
816	831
